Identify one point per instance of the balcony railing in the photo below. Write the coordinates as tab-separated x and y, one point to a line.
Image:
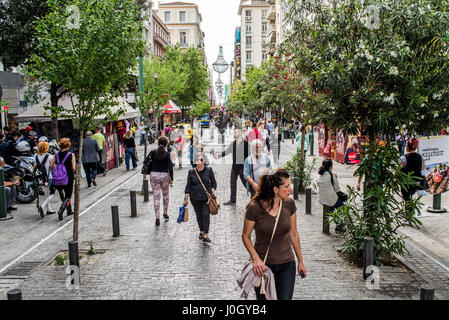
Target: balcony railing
271	13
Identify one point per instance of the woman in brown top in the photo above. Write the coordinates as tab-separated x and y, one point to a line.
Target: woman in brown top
261	215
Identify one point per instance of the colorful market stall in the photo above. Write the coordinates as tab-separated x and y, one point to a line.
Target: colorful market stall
112	130
169	112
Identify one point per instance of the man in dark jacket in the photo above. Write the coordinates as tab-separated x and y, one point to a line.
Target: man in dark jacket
90	158
240	151
8	147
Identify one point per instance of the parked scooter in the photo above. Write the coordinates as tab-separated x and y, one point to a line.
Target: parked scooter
28	189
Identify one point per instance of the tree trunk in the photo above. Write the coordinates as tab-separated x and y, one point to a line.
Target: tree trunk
303	138
77	188
54	131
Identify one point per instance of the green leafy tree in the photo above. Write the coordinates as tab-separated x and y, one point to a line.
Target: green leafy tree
381	66
17	29
200	108
92	57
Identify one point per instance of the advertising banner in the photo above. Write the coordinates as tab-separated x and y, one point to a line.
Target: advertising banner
435	153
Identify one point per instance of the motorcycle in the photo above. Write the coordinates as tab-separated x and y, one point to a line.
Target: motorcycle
152	135
28	189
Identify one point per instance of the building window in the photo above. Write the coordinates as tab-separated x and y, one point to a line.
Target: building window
249	42
248	14
183	39
264	14
248	28
264	28
167	16
249	56
182	16
264	56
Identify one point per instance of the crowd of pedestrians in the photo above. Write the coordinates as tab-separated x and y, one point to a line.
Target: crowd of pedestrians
270	212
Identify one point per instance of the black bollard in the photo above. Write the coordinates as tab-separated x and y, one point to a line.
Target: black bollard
14	294
308	201
368	255
427	292
311	140
133	204
295	188
74	257
326	210
145	191
115	221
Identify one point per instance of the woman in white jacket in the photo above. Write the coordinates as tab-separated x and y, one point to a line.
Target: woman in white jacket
327	189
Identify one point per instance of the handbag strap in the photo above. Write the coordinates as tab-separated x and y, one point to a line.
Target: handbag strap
205	190
274	230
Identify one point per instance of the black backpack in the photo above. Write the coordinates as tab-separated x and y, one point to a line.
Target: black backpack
40	171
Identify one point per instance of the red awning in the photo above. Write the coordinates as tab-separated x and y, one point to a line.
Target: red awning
170	108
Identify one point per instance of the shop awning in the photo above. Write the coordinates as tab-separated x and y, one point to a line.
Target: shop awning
38	113
169	108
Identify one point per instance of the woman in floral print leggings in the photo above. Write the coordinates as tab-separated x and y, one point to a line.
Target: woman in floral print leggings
161	177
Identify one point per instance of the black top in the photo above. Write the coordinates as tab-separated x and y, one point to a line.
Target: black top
239	152
194	187
129	143
67	163
414	164
8	150
161	165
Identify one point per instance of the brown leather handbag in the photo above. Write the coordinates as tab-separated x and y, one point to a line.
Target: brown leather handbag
211	198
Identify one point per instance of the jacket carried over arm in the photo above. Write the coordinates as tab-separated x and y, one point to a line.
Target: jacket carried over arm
327	193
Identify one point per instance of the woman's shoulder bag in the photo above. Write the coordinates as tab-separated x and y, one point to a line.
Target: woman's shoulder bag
211	198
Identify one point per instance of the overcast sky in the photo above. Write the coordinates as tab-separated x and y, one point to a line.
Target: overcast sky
220	18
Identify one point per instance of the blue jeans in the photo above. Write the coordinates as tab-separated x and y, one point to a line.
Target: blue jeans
130	152
90	168
142	138
337	204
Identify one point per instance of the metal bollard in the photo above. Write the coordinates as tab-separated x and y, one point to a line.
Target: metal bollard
133	204
14	294
115	221
295	188
145	191
311	140
436	205
74	257
427	292
368	255
308	201
326	210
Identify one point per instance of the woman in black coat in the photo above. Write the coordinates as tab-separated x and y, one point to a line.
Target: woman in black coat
198	196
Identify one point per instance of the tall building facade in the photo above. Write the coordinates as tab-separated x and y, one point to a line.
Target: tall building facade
278	25
161	36
183	21
254	30
238	54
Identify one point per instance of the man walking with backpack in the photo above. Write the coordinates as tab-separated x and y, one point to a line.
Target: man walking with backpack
42	168
63	167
